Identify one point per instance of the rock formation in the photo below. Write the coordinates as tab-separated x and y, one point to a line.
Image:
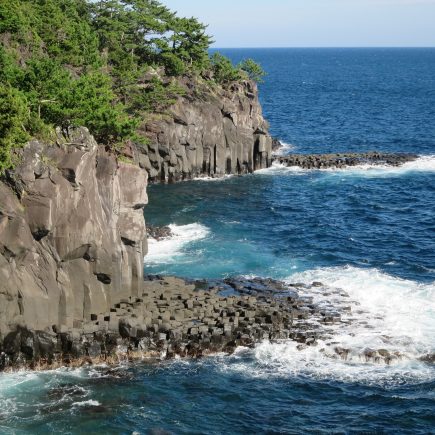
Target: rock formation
72	236
208	132
341	160
72	231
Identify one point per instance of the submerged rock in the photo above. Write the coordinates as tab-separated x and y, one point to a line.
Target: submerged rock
429	358
158	233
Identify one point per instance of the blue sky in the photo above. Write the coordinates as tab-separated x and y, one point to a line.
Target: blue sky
314	23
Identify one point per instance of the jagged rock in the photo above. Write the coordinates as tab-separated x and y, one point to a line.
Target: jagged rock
276	144
158	233
222	132
341	160
170	317
71	242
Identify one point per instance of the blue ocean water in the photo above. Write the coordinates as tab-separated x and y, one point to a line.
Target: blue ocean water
367	230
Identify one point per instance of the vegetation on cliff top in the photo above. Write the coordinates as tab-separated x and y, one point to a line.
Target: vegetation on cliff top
103	64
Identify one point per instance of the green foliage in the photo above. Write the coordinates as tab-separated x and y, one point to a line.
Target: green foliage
253	70
87	62
13	116
190	43
158	96
174	66
223	70
91	102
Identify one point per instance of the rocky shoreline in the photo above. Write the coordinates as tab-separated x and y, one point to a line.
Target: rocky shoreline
342	160
174	317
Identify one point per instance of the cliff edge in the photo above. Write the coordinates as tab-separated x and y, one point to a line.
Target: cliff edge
209	131
72	234
72	230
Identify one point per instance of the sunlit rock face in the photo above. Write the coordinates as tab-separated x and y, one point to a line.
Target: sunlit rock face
72	234
208	133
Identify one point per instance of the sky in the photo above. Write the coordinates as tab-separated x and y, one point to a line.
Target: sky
314	23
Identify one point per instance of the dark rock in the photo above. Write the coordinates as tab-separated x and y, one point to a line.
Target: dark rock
429	358
276	144
224	132
323	161
158	233
64	226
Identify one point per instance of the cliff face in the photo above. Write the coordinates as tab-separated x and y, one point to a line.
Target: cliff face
208	132
72	235
72	231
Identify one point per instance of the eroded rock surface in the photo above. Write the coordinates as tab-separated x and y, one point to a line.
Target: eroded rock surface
172	317
208	132
72	239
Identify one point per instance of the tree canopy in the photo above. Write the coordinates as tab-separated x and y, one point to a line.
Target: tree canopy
82	62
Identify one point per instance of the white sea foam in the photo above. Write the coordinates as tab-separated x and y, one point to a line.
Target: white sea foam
87	403
170	249
400	314
279	168
283	150
10	381
220	178
387	313
421	164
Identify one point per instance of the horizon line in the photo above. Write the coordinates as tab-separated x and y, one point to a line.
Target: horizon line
328	47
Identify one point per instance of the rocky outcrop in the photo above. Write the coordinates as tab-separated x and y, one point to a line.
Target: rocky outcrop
175	317
210	131
341	160
72	240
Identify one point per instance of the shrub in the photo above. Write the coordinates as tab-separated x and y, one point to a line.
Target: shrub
253	70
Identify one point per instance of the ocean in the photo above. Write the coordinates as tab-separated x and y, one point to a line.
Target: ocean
369	231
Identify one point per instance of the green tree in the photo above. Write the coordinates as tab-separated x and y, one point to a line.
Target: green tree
87	62
157	96
224	71
13	118
92	103
253	70
190	42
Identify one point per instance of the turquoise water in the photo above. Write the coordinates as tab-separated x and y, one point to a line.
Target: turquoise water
369	231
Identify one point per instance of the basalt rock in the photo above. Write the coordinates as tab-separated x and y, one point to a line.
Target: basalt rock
341	160
210	131
170	317
72	241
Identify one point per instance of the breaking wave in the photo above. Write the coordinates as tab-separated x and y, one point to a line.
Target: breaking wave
170	249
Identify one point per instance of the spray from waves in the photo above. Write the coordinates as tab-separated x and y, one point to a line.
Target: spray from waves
169	250
388	316
422	164
279	168
283	150
392	313
220	178
87	403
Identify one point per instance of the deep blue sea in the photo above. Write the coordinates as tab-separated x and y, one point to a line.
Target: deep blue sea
367	230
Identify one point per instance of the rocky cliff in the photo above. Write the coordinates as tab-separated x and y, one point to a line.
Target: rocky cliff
72	231
209	131
72	235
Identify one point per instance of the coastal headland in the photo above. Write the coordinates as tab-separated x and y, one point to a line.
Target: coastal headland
159	108
73	239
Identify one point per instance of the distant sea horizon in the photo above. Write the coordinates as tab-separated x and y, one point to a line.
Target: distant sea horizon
323	47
